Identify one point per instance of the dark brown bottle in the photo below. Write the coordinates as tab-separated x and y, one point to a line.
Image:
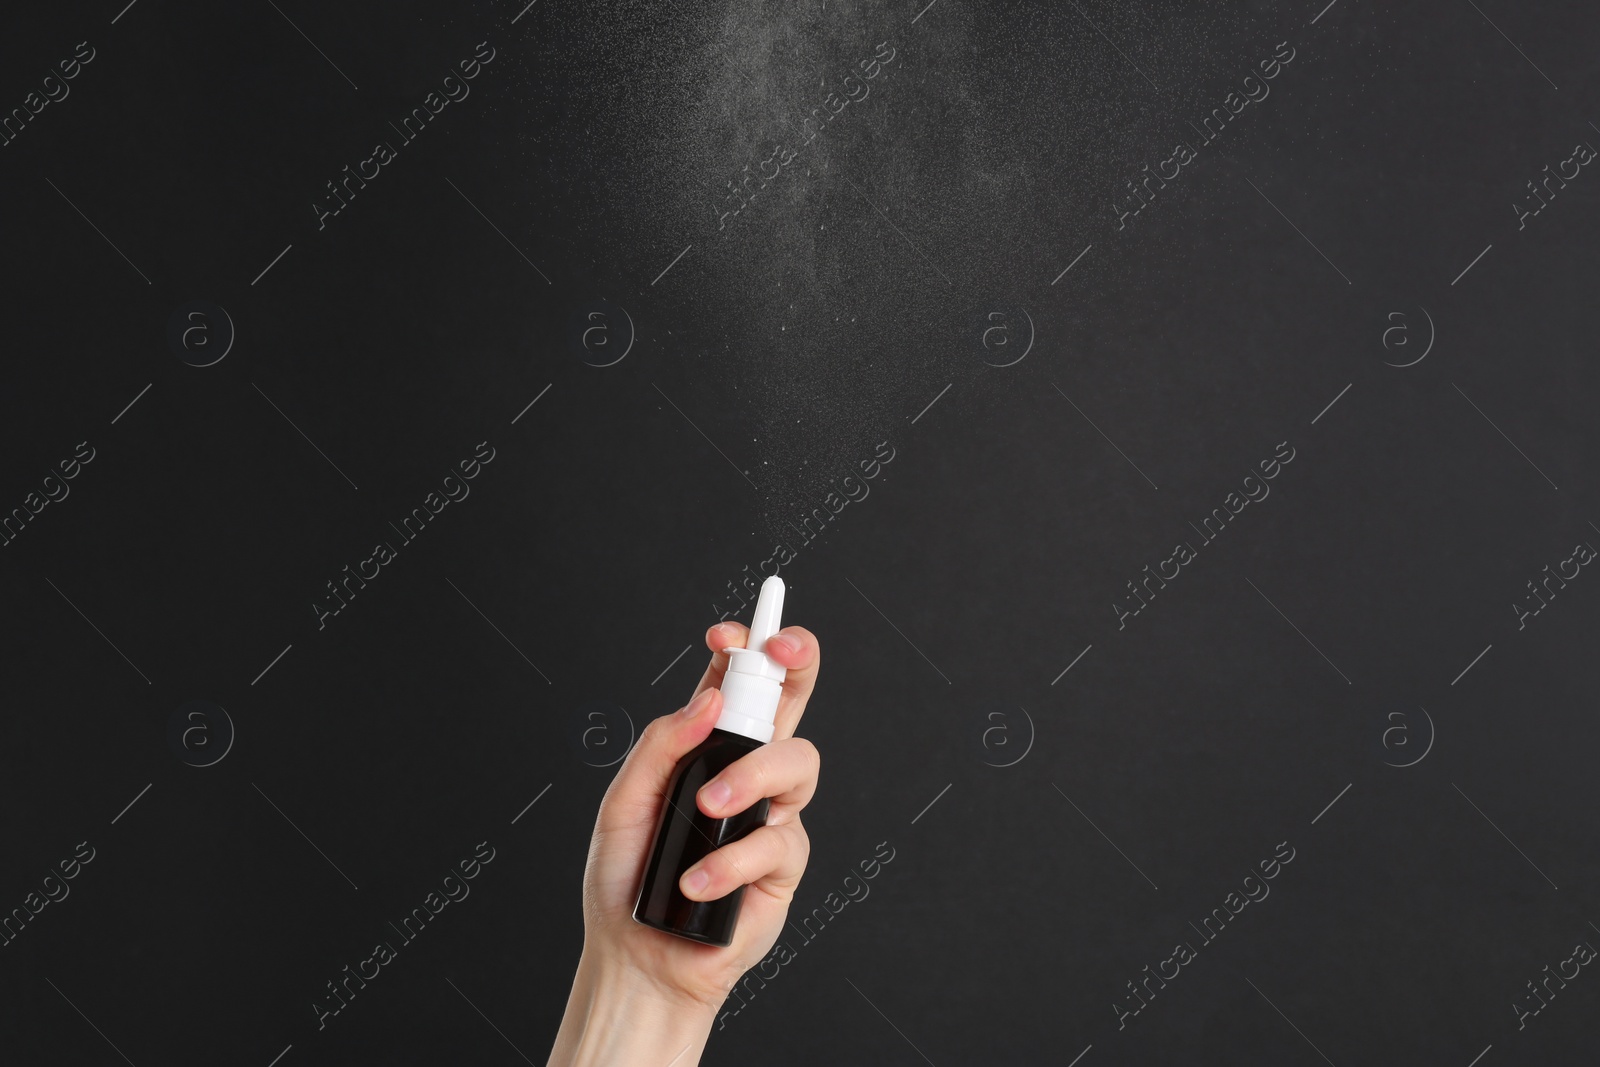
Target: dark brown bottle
751	688
685	835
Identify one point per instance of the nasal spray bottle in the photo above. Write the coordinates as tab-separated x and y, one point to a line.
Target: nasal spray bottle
750	690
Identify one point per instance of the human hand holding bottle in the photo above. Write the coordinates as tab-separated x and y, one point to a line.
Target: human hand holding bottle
641	995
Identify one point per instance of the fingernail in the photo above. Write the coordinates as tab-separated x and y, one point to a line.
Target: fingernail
789	641
696	880
717	794
698	704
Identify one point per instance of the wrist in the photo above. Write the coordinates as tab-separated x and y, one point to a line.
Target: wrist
617	1017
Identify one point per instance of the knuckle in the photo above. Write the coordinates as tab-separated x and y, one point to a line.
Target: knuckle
769	850
750	779
646	735
811	756
719	867
747	861
801	840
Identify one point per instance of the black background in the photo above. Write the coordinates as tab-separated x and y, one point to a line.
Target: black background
1328	634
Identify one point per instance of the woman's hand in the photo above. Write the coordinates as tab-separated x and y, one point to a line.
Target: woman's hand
659	975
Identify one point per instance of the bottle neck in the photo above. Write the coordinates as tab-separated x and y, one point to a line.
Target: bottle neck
749	705
735	722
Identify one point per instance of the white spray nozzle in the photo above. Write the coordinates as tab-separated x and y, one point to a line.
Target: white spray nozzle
753	681
769	611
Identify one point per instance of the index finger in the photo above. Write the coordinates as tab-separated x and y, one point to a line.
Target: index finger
801	666
721	636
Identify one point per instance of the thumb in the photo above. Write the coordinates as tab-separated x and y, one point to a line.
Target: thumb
634	796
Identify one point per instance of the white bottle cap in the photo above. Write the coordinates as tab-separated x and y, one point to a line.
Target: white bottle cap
754	680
